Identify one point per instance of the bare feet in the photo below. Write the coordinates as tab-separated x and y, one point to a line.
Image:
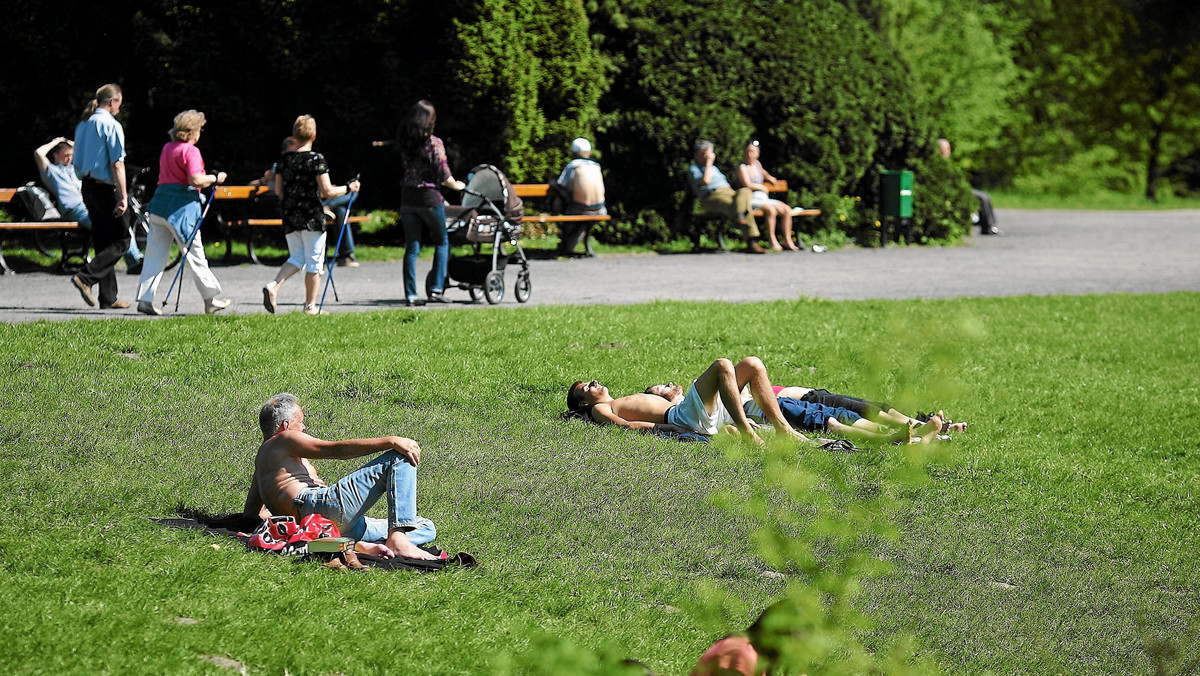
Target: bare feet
376	549
776	246
927	431
954	426
401	546
904	435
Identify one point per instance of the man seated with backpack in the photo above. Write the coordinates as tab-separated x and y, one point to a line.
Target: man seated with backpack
581	185
55	161
54	165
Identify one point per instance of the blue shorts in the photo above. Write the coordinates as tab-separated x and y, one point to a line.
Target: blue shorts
804	415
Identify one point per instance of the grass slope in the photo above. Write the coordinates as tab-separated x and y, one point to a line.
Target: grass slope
1061	518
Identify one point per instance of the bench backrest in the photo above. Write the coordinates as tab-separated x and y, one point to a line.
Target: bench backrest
6	194
240	192
524	190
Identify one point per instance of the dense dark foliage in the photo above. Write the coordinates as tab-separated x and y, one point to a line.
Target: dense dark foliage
513	81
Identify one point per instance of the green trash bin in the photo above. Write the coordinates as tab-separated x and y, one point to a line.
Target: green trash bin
896	195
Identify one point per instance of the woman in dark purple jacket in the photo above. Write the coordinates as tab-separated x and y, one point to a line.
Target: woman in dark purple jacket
424	167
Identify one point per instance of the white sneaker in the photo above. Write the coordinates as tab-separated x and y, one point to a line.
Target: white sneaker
796	211
215	305
312	309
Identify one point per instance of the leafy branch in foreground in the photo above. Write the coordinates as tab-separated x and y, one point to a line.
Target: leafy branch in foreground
820	514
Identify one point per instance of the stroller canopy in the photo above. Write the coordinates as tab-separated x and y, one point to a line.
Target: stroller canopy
488	180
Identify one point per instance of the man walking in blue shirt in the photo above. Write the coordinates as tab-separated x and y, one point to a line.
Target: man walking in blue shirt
100	165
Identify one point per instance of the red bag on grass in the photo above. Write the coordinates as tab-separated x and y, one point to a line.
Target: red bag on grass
285	535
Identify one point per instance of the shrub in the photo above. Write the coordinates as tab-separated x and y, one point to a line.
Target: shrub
646	227
1095	170
942	200
828	118
1184	175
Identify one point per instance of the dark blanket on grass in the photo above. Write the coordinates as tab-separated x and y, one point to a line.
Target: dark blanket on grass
665	432
239	528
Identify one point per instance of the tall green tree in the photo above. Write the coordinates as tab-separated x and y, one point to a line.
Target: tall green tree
1112	91
1163	46
527	72
959	55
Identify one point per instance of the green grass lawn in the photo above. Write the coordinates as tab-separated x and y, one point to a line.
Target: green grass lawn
1055	536
1104	201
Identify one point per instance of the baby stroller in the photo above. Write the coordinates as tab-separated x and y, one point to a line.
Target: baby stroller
490	214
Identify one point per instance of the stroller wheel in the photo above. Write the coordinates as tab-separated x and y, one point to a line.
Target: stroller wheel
476	293
493	287
523	287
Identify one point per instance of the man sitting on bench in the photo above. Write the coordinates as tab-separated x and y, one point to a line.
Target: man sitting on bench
712	189
712	402
582	186
285	483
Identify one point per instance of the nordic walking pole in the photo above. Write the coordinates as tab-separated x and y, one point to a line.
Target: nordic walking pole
338	248
185	252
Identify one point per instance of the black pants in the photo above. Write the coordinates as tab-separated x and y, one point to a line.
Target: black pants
110	238
865	409
987	217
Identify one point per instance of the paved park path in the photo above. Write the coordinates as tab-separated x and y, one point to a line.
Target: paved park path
1041	252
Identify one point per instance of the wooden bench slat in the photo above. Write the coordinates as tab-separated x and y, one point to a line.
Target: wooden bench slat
6	194
44	225
758	213
531	189
240	192
565	218
280	221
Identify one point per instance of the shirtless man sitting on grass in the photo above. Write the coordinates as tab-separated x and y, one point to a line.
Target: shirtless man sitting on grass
711	402
285	483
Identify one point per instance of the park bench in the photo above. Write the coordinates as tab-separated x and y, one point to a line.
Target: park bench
541	190
68	253
694	223
243	220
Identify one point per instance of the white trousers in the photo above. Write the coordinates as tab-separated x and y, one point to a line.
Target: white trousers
306	250
158	254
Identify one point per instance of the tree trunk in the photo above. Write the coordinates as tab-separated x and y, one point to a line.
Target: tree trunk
1152	167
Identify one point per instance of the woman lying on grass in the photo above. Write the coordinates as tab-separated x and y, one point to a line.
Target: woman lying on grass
814	410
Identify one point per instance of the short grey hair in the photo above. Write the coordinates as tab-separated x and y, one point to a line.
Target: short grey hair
279	409
701	146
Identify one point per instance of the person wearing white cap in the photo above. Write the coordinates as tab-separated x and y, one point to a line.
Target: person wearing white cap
582	184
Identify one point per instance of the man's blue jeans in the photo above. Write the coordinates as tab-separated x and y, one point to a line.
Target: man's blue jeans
346	502
416	220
